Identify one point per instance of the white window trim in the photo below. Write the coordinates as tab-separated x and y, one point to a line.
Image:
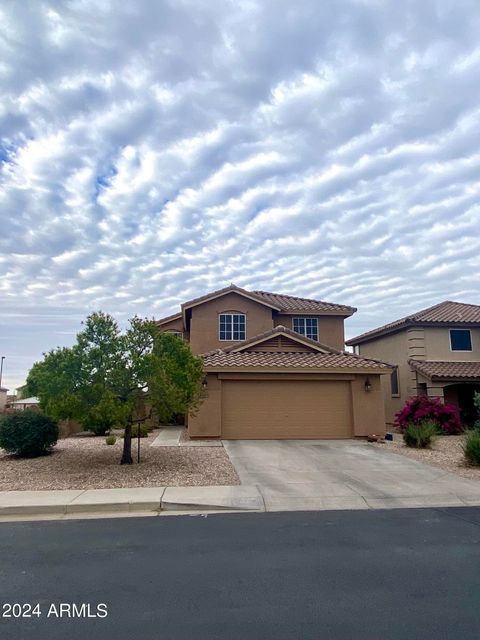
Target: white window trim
175	332
460	350
232	313
305	318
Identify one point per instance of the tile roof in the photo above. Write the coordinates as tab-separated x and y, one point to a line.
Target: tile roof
280	330
295	303
300	360
231	288
444	312
280	302
435	369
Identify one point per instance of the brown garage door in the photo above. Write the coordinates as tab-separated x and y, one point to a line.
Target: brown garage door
286	409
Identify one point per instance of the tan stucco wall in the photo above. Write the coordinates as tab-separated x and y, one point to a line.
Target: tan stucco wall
367	408
207	422
3	399
330	328
204	323
437	345
173	325
392	349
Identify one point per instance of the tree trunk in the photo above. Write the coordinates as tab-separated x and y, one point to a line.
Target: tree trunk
127	445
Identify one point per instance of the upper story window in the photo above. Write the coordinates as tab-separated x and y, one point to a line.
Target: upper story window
232	326
307	327
460	340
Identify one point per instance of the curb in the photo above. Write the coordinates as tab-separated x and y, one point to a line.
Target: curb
154	501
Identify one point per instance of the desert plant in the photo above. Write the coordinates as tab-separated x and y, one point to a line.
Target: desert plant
471	446
420	434
143	431
28	433
420	408
110	440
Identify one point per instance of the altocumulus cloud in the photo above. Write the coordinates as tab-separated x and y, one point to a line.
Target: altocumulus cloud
151	151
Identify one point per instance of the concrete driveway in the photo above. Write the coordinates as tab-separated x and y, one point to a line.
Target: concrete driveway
343	474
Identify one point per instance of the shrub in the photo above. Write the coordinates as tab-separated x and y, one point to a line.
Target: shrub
28	433
110	440
420	434
420	408
98	429
471	447
143	431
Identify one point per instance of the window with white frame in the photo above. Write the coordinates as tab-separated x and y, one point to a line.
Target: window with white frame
460	340
232	326
307	327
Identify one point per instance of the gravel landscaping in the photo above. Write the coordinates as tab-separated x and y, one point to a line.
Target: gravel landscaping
88	463
446	453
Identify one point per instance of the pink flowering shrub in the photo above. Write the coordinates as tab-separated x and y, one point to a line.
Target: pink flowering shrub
420	408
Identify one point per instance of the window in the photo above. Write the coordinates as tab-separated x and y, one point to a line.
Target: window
460	340
306	327
394	388
356	349
175	332
232	326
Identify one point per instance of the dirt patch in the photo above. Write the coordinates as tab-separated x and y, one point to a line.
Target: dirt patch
446	453
88	463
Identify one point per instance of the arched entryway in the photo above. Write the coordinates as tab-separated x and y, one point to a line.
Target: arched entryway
461	395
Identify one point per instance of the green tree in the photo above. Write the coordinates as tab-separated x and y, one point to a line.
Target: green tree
108	376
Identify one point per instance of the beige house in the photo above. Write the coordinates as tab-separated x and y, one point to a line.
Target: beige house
436	352
275	368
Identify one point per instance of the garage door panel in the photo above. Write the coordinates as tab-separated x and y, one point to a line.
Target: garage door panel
286	409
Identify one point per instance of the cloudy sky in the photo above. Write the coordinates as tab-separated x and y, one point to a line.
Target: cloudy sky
152	151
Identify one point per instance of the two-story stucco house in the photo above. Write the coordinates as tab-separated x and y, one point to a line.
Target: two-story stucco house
436	352
275	368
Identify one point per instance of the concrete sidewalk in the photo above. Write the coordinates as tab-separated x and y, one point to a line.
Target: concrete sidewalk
153	501
31	505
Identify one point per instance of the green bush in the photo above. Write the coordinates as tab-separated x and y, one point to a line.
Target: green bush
420	435
471	446
110	440
143	431
99	429
28	433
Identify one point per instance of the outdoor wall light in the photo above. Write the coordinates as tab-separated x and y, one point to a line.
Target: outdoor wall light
204	384
368	385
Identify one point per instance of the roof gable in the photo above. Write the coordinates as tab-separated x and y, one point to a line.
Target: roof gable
280	335
222	292
447	312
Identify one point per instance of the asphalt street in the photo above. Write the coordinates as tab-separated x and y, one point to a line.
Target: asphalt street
353	575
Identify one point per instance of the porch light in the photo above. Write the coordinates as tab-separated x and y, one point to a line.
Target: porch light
204	384
368	385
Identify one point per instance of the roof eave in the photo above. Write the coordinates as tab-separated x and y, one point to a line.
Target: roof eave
334	370
408	324
317	312
176	316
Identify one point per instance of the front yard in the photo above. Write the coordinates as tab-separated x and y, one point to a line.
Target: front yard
85	462
446	453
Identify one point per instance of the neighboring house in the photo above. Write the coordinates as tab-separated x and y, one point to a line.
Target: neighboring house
436	352
275	368
3	398
25	403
